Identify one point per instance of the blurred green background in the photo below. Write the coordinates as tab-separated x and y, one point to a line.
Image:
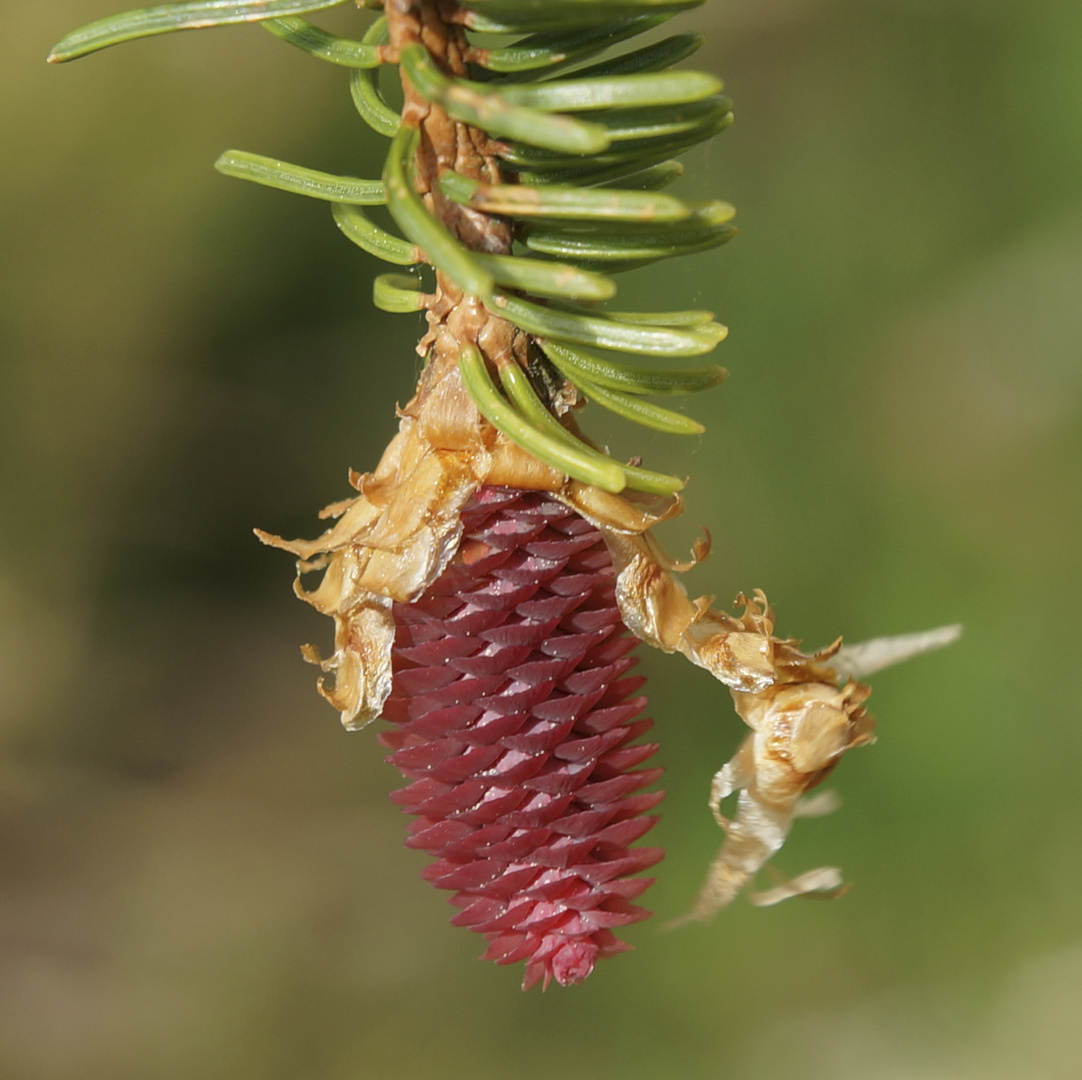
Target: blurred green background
200	874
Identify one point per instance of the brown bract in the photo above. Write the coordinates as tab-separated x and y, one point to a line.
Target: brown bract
801	721
391	541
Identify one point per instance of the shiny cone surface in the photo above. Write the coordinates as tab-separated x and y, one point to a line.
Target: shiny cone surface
513	719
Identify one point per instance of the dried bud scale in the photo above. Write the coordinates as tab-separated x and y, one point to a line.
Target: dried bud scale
482	577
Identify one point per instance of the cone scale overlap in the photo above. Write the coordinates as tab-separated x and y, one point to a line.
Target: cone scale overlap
515	719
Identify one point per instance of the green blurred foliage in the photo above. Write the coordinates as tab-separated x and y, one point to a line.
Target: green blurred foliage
201	875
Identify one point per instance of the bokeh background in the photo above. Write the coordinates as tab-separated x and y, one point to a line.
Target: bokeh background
200	874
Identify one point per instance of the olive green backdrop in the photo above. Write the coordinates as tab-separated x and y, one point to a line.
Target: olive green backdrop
200	874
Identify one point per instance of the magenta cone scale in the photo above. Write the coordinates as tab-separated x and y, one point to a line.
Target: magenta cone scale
514	721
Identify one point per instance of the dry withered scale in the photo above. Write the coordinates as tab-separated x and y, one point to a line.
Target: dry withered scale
487	578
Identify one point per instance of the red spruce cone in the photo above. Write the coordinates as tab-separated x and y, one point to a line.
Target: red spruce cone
513	720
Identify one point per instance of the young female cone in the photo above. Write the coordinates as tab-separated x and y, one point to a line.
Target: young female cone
515	721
